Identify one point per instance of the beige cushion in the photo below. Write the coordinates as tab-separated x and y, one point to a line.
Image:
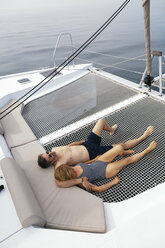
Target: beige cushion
71	208
1	129
16	130
27	207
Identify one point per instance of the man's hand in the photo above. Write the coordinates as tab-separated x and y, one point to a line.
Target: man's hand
92	160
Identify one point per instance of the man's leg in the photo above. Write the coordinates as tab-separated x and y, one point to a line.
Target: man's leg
103	125
114	168
131	143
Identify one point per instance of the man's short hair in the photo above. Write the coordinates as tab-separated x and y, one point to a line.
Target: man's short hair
42	162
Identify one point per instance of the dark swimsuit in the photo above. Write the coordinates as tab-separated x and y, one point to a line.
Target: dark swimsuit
92	144
93	171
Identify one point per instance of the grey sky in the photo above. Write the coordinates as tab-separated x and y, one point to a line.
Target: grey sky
21	6
27	4
8	6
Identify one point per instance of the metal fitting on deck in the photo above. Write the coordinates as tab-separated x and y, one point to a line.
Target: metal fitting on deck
156	53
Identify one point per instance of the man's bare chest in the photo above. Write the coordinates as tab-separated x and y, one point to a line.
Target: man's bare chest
72	154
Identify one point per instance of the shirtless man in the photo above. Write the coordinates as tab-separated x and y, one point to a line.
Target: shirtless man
80	151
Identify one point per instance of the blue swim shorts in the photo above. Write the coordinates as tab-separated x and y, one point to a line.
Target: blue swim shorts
92	144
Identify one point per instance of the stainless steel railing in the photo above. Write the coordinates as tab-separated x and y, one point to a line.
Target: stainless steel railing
57	45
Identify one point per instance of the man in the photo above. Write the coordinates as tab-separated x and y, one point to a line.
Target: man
80	151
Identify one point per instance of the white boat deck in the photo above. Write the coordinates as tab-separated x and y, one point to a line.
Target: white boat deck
127	226
136	222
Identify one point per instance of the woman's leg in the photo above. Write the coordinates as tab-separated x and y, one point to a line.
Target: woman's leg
111	154
103	125
131	143
114	168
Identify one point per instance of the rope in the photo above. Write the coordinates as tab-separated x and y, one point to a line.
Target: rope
146	7
113	65
67	61
114	56
106	66
126	60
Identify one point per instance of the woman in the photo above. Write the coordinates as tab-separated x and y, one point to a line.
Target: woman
99	168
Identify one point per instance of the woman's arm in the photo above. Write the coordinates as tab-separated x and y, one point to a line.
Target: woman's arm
105	186
82	182
68	183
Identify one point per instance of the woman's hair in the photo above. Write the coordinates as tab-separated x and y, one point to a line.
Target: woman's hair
63	173
42	162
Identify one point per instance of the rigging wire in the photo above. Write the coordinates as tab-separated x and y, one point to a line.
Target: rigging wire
104	66
114	56
127	60
110	66
66	62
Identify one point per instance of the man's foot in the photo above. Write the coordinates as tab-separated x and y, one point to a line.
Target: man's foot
152	146
114	127
148	131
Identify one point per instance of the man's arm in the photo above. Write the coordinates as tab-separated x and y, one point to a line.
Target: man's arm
76	143
92	160
71	144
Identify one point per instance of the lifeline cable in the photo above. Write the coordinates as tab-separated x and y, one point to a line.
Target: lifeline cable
67	61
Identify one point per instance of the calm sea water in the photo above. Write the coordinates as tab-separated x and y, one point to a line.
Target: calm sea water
28	38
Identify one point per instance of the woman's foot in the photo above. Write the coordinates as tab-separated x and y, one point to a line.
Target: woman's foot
114	127
124	152
116	180
148	131
152	146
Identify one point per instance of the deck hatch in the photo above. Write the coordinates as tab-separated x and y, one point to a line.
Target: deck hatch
24	81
